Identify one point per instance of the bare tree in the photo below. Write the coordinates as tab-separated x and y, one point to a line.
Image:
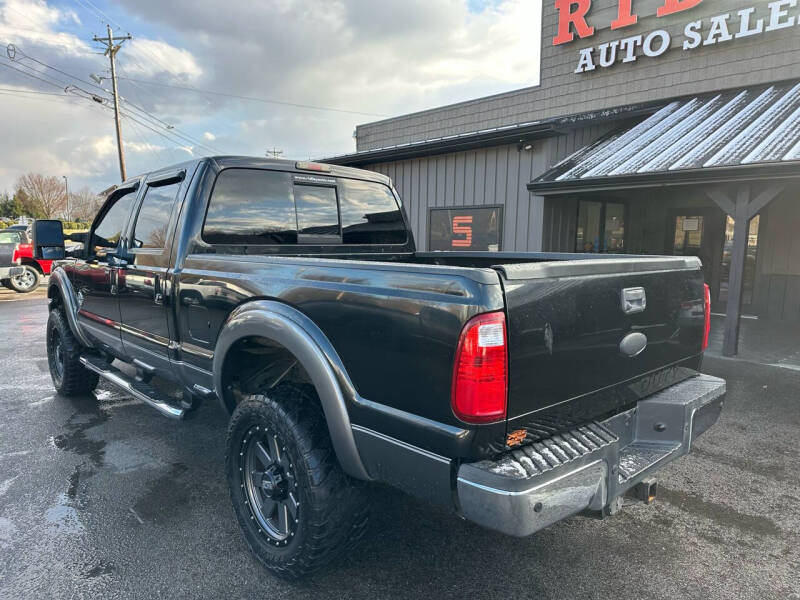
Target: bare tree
85	204
46	195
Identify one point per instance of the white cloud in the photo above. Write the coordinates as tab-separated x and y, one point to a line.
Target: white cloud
390	57
153	57
34	21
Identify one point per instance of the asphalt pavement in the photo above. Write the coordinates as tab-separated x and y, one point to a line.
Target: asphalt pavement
101	497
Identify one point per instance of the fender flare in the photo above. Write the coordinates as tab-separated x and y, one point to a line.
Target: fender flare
60	283
300	336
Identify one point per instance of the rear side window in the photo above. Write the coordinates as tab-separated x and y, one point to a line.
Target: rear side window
10	237
250	206
370	214
153	219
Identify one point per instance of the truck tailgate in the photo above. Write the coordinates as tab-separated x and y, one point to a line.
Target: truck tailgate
566	326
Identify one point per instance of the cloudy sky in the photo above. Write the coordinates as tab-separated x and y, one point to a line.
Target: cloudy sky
265	70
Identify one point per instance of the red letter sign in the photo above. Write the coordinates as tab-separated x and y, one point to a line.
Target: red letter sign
625	16
462	226
567	17
675	6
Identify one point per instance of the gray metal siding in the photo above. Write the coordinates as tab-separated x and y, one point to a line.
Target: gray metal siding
764	58
778	271
495	175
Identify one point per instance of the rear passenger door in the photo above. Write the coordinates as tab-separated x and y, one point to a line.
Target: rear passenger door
144	285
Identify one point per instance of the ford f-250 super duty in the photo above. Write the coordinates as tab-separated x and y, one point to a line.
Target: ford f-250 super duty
516	389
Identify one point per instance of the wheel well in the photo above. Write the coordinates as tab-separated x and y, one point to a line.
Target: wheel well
256	364
32	263
54	294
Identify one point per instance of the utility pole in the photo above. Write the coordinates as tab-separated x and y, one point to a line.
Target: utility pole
69	208
111	52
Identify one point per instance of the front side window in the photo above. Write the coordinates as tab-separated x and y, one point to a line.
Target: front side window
107	232
153	220
370	214
251	206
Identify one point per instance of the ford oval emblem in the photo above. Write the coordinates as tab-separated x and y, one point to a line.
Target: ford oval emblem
633	344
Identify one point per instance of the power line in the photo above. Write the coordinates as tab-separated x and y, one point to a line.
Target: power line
17	50
14	50
252	98
104	18
49	82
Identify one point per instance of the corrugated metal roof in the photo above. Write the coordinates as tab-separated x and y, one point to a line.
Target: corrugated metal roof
729	129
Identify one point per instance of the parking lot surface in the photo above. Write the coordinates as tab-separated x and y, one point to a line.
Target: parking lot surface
100	497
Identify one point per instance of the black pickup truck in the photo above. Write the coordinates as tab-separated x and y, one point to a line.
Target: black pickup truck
515	389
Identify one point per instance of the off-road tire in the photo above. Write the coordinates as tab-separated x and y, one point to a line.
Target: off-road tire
71	378
332	510
32	280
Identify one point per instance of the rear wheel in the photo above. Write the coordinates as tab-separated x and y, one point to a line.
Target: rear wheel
296	507
27	282
69	376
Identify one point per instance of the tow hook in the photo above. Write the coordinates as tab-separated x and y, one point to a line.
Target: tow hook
645	490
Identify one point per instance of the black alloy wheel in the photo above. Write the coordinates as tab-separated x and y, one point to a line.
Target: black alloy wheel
270	485
70	377
55	355
296	507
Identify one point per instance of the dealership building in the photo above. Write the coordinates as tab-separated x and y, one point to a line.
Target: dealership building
658	127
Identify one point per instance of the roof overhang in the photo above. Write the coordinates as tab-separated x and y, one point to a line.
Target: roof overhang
727	137
715	175
512	134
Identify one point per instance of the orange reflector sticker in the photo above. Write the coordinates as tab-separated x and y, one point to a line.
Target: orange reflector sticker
516	437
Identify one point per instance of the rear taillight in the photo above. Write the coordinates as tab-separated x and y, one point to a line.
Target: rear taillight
706	315
480	372
16	258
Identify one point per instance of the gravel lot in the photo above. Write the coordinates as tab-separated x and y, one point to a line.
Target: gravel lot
104	498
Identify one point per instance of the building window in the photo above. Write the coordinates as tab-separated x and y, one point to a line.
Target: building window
601	227
466	228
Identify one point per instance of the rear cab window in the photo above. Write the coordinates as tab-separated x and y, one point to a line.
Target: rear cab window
262	207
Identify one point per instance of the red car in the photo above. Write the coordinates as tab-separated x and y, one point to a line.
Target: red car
33	269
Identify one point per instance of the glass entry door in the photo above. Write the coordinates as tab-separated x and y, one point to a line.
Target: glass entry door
749	282
698	232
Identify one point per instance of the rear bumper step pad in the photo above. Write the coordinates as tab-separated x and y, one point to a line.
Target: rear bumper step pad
534	486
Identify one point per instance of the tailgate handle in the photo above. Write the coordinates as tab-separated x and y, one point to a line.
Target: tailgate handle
634	300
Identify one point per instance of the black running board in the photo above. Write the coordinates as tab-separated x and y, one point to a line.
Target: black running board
138	389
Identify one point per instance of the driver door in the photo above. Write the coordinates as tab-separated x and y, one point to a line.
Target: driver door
95	279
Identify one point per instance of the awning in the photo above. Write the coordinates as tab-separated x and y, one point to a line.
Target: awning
729	136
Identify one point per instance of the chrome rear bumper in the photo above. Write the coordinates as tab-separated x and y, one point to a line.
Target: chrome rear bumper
8	272
590	467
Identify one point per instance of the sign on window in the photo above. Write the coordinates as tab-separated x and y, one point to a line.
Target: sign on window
466	228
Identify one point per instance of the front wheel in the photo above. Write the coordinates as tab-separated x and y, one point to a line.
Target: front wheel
27	282
69	376
295	505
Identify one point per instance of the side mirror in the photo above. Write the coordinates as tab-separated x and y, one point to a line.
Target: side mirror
48	240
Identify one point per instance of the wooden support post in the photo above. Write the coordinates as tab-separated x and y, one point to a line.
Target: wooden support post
730	343
742	209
